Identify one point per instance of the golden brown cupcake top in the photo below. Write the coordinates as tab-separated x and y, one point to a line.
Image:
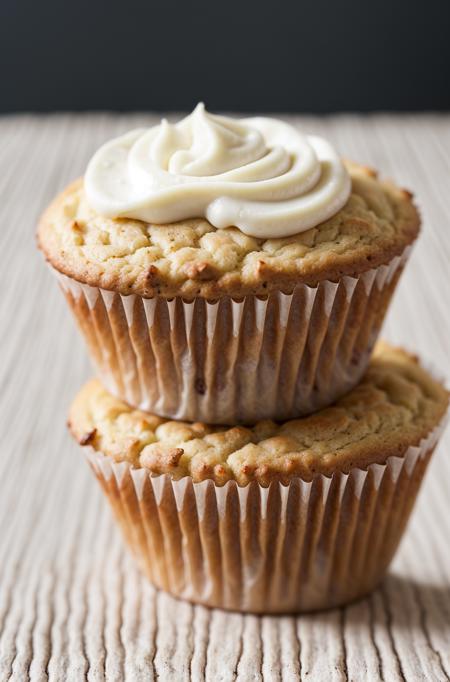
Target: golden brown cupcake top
396	405
192	258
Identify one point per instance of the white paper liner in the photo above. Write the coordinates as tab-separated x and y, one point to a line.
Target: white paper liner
285	548
235	361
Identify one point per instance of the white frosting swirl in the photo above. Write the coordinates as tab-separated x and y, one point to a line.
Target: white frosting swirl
258	174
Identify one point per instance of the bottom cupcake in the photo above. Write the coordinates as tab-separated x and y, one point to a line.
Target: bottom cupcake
287	517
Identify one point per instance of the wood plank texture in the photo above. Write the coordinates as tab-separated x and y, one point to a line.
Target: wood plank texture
72	605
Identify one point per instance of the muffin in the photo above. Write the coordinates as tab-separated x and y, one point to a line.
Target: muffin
228	271
277	517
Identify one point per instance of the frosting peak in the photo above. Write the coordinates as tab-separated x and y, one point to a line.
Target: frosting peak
203	145
258	174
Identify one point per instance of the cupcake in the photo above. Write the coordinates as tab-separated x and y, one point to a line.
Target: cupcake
227	270
276	517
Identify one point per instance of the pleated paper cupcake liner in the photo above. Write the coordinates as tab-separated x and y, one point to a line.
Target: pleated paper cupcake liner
284	548
230	362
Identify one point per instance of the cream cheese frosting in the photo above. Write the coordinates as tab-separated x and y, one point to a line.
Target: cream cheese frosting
258	174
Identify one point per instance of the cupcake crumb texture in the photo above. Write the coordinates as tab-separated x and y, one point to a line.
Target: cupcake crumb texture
396	405
192	258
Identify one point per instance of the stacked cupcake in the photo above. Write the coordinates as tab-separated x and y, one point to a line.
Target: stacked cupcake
256	454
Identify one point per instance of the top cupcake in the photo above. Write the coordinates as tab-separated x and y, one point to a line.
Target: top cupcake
213	206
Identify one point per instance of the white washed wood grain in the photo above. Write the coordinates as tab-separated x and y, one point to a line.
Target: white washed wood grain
72	605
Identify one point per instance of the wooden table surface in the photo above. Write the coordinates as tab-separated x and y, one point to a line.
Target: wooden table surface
72	605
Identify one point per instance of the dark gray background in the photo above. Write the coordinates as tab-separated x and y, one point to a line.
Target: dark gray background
248	55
